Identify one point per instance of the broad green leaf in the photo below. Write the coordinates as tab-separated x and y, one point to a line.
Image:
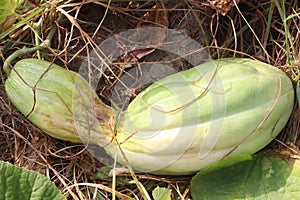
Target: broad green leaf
19	183
260	178
24	20
7	8
161	193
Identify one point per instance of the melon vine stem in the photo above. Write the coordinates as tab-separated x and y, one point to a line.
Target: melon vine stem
26	50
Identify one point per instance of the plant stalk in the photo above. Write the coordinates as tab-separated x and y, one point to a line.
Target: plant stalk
25	50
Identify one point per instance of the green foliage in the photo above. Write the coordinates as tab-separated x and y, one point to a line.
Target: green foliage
161	193
262	177
19	183
7	8
104	173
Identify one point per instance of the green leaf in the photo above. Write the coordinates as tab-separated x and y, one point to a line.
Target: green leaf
20	183
7	8
161	193
104	174
262	177
24	20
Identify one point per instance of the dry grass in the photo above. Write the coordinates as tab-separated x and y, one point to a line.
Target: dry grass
255	29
